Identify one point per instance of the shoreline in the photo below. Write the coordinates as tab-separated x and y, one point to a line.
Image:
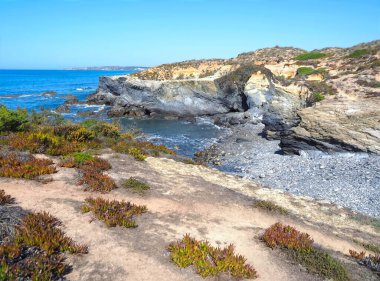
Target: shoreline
346	179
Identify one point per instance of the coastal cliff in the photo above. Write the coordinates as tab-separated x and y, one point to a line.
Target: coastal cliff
327	99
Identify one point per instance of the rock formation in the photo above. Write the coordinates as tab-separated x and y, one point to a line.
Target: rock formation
327	99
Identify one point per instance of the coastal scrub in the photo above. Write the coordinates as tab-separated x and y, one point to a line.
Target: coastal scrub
36	250
113	213
299	247
208	260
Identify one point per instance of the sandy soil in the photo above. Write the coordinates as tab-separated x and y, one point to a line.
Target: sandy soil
185	199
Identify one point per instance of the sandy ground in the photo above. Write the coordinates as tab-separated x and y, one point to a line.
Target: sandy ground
186	199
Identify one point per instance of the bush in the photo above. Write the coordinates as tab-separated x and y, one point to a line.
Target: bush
288	237
85	160
310	56
113	213
135	185
11	166
81	135
41	142
5	199
12	120
36	251
137	153
359	53
208	260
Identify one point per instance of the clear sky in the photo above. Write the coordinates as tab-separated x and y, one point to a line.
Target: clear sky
54	34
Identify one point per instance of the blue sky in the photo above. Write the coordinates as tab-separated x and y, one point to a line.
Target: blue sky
54	34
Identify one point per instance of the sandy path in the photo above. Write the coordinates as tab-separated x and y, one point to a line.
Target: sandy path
183	199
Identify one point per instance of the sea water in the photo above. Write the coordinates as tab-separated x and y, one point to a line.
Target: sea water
25	89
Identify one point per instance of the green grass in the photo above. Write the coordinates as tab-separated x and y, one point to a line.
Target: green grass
305	70
135	185
368	246
318	97
310	56
359	53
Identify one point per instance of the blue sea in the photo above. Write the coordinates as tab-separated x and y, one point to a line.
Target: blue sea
25	88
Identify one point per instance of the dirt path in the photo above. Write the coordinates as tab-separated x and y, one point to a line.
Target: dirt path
183	199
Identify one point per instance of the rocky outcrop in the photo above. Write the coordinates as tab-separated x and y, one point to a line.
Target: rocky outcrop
337	125
328	100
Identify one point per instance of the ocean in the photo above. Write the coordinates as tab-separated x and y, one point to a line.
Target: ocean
25	88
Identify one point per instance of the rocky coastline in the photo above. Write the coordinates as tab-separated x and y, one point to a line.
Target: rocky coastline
304	122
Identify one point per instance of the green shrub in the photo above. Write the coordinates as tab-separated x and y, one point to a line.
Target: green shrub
310	56
208	260
135	185
81	157
359	53
318	97
12	120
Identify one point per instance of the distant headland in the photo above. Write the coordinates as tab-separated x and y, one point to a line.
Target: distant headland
108	68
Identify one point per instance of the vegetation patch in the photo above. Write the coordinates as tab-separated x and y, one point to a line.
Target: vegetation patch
318	97
299	247
97	181
310	56
14	167
359	53
135	185
12	120
305	70
85	160
208	260
270	206
5	199
279	235
368	246
113	213
370	261
35	253
320	263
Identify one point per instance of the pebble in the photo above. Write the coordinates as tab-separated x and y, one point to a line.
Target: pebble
347	179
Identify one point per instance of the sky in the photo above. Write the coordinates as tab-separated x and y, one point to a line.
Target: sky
55	34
